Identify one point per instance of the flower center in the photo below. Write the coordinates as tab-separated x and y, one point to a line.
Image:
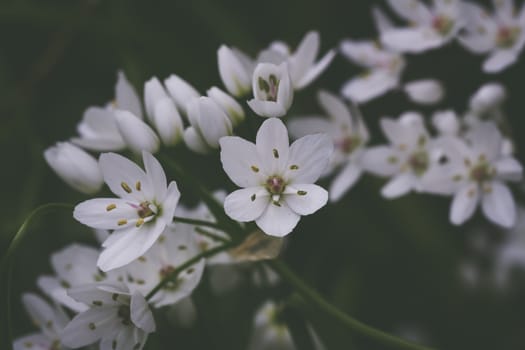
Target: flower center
349	144
419	162
482	171
275	185
165	272
146	209
442	24
270	87
507	36
124	314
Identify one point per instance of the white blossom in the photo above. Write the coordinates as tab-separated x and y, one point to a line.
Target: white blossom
144	209
181	91
276	178
235	69
426	91
272	90
136	133
119	319
501	36
229	105
75	167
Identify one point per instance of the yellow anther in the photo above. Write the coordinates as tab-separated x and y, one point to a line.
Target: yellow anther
275	153
140	221
122	222
255	169
138	185
125	187
294	167
111	207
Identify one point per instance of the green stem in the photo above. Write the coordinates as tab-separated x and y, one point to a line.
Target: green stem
197	222
187	264
312	296
6	267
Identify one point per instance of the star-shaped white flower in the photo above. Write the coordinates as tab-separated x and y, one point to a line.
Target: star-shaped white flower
144	209
277	178
119	319
431	27
501	35
349	135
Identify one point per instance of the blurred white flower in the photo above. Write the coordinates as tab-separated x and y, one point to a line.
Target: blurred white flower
75	166
447	123
349	136
181	91
229	105
430	27
235	69
501	35
144	209
136	133
276	178
119	319
50	320
426	91
272	90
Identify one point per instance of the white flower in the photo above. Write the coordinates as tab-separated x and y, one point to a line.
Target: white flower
126	97
487	98
431	27
349	136
138	135
208	122
98	131
181	92
425	91
384	66
407	159
272	90
232	108
162	112
73	266
50	320
76	167
446	123
501	35
119	319
475	173
277	179
235	69
175	246
144	209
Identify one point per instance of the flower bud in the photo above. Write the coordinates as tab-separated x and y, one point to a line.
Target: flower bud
232	108
424	91
234	71
209	120
137	134
126	97
181	91
487	97
75	166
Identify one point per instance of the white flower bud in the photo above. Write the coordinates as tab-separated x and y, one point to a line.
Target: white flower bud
272	90
232	108
424	91
446	122
137	134
209	120
181	91
234	71
126	97
75	166
487	97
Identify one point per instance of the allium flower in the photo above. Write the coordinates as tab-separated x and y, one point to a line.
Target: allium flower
232	108
235	69
431	27
50	320
73	266
162	112
475	173
501	35
208	122
76	167
174	247
181	91
272	90
407	159
277	178
349	136
119	319
144	209
138	135
425	91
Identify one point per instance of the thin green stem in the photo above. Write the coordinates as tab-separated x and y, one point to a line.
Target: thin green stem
312	296
6	267
173	275
197	222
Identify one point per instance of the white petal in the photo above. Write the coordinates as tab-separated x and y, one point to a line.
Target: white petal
305	199
75	263
126	97
446	122
246	204
308	158
90	294
370	86
170	202
498	205
106	213
336	109
168	122
365	53
153	92
267	108
485	138
381	160
228	104
406	131
137	134
194	141
141	314
344	181
509	169
98	131
234	74
413	40
210	119
43	315
78	332
304	56
35	341
382	22
181	91
464	204
315	70
54	289
412	10
241	162
302	126
499	60
278	220
487	97
272	145
477	43
399	185
424	91
118	170
156	176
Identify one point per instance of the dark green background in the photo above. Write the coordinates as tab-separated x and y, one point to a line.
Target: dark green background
392	264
